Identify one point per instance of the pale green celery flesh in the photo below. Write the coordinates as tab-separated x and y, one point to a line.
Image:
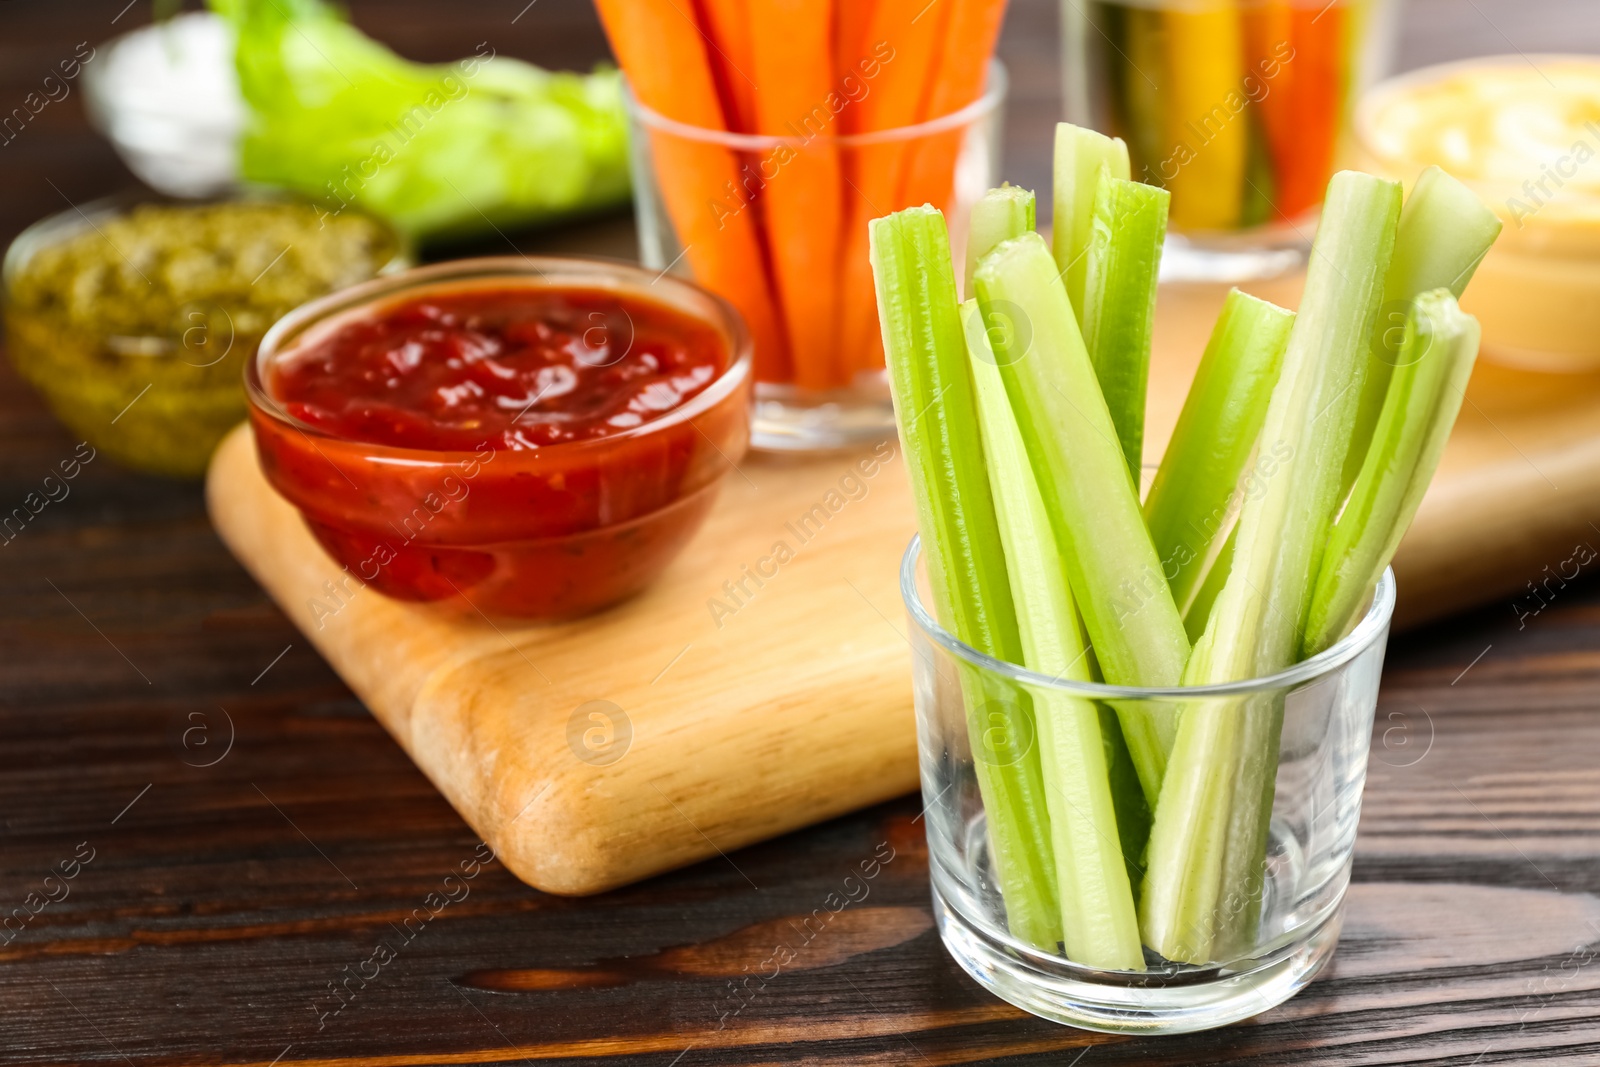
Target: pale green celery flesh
1424	398
1198	613
1079	155
999	214
1202	481
1112	568
1098	922
1444	233
1198	898
971	592
1127	230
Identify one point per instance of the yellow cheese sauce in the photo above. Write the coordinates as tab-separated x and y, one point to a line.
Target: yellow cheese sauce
1524	132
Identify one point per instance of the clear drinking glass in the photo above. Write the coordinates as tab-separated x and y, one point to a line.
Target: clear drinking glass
777	225
1275	930
1240	107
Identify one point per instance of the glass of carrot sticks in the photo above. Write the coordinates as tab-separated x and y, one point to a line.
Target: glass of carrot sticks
767	134
1240	108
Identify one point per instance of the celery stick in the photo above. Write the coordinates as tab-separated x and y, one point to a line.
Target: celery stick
1425	394
1444	233
1093	506
1133	812
1098	923
1201	482
999	214
937	415
1256	625
1198	613
1079	155
1119	300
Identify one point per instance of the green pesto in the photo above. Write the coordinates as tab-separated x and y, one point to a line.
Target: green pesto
159	307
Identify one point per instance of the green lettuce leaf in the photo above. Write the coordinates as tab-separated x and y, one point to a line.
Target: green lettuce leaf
446	149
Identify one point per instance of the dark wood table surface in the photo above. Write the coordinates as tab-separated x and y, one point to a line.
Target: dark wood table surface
216	907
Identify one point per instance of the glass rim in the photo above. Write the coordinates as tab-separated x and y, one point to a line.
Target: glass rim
996	87
78	218
1374	623
283	334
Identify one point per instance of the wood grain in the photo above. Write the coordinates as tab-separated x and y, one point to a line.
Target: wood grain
760	686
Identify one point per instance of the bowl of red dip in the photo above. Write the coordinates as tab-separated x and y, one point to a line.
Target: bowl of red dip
527	437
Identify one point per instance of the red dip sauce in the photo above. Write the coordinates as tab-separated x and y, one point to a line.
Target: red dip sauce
505	368
504	447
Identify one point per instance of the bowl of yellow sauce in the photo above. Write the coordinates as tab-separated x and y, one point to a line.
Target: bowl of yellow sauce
1524	132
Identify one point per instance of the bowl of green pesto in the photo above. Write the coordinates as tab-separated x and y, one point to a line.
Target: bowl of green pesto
135	318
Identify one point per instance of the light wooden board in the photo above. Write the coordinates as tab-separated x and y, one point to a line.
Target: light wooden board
789	704
792	702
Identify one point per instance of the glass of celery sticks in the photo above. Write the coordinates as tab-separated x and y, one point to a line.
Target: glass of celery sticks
1143	721
1241	108
1269	923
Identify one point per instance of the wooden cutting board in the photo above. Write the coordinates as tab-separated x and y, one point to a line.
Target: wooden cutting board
742	697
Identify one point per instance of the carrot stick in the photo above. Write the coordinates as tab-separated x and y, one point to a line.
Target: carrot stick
663	52
727	24
792	51
1314	105
969	40
1269	51
1205	103
852	47
905	39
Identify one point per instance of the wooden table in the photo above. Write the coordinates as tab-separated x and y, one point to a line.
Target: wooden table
244	835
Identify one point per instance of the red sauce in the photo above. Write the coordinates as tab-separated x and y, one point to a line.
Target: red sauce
503	368
503	446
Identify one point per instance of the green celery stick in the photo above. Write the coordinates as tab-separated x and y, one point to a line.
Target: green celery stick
1119	300
1079	155
1002	213
1099	926
937	415
1133	812
1445	231
1203	882
1093	506
1201	482
1198	613
1424	397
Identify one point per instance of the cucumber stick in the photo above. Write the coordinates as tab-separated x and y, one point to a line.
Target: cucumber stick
999	214
971	592
1201	482
1072	446
1098	923
1444	233
1204	879
1079	156
1127	229
1424	397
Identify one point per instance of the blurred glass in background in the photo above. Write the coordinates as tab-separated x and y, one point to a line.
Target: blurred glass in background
1241	108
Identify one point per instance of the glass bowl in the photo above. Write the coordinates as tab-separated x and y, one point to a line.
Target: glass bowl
552	532
137	332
